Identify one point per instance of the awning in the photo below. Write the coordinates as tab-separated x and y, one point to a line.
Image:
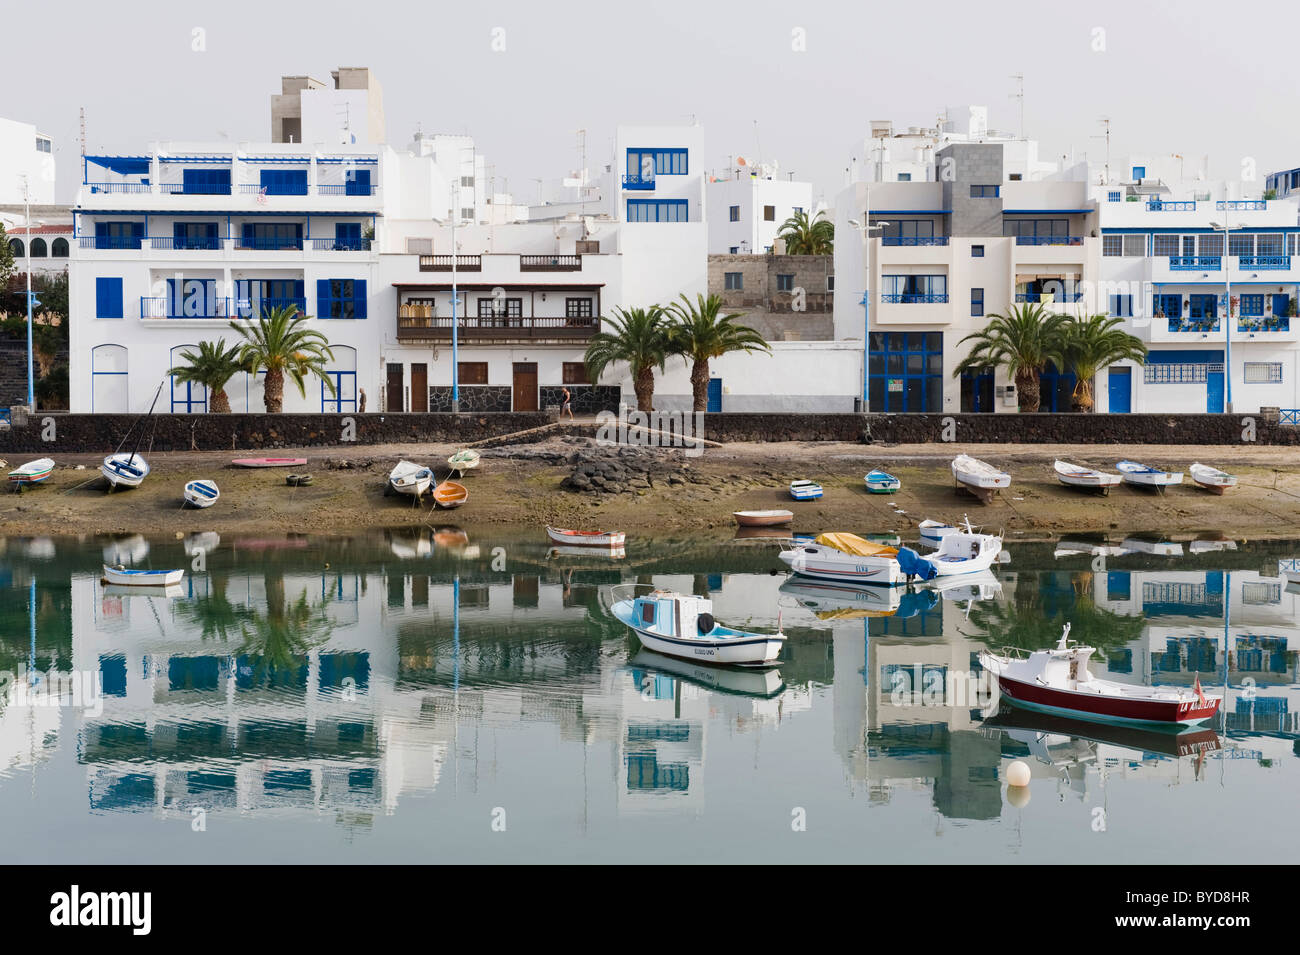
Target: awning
122	165
855	545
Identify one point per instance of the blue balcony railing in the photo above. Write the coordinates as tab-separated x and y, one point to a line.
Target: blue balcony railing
269	243
346	189
118	187
1166	205
169	306
914	240
194	244
1053	297
1195	263
341	245
194	189
1193	325
1278	324
1263	262
1241	205
259	307
1049	240
914	298
110	241
638	182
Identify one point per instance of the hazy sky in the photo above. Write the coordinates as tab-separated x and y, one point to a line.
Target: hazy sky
1194	78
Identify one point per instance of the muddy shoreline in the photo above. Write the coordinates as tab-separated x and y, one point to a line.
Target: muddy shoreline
522	485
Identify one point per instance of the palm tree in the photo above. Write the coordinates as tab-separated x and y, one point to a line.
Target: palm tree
639	337
698	333
1023	341
211	366
1094	343
804	237
277	343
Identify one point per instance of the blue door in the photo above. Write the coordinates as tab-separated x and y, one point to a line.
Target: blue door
1121	390
715	394
1214	392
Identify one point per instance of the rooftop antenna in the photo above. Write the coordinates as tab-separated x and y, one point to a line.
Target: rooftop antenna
582	173
758	144
83	130
1019	94
1105	125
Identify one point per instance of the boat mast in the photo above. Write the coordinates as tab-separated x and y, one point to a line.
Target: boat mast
146	417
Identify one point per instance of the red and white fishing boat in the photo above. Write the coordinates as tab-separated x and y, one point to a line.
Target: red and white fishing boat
1058	681
586	538
269	462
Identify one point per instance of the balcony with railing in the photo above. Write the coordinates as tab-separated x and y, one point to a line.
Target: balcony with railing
213	307
1192	326
913	240
1264	323
1241	205
200	243
638	183
1262	263
1195	263
443	263
341	244
1049	240
1048	297
111	242
550	263
915	298
119	188
194	189
416	322
1171	205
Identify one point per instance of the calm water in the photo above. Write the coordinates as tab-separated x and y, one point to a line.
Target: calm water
406	697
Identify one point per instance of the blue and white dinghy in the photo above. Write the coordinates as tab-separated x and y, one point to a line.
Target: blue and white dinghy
682	625
201	493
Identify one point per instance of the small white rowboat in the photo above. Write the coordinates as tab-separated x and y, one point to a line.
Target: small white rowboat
882	482
586	538
1139	475
805	490
771	518
1212	479
410	478
462	461
980	479
33	472
142	578
1074	475
201	493
932	532
124	470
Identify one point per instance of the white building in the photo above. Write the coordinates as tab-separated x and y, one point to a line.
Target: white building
748	206
1165	269
26	165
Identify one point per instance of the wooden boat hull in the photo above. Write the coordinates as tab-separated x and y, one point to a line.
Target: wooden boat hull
269	462
762	518
569	538
142	578
201	494
124	470
1094	706
449	494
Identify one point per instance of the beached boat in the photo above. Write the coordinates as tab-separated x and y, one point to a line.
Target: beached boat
464	460
570	538
201	493
932	532
682	625
1212	479
33	472
1139	475
1074	475
771	518
269	462
978	478
1058	681
882	482
410	479
805	490
124	470
847	557
123	577
450	494
612	553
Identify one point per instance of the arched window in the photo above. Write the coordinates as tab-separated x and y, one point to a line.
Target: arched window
59	248
187	396
16	246
39	250
108	380
343	372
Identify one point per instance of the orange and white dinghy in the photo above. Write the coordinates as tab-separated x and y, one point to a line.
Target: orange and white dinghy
450	494
586	538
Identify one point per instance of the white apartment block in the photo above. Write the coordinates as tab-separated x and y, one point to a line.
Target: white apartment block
747	208
26	165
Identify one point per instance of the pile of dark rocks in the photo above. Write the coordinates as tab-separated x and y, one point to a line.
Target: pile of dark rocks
628	470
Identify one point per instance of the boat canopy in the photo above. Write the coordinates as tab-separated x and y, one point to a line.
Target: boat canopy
855	545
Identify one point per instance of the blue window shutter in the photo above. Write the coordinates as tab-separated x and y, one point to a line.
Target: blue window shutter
108	297
323	304
359	298
178	235
249	235
137	234
101	229
298	291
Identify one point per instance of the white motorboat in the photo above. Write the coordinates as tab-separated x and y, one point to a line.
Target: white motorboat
1074	475
1212	479
932	532
965	552
980	479
123	577
682	625
201	493
1139	475
847	557
410	478
124	470
762	682
1058	681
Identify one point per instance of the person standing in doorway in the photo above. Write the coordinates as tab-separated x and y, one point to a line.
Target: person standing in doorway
568	404
361	400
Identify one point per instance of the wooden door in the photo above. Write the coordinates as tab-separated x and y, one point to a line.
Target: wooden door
419	386
524	387
396	397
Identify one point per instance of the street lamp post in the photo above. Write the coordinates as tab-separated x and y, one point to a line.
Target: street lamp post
1227	327
27	221
865	227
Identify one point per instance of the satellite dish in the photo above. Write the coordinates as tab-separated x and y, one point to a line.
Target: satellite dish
740	160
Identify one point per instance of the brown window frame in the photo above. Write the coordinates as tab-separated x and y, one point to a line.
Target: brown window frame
574	373
475	369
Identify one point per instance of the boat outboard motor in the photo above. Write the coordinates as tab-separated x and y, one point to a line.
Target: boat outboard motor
705	623
914	565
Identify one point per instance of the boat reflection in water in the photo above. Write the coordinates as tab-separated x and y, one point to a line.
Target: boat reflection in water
1044	730
840	601
760	683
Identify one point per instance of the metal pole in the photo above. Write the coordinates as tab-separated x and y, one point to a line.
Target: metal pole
455	337
27	219
866	309
1227	332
